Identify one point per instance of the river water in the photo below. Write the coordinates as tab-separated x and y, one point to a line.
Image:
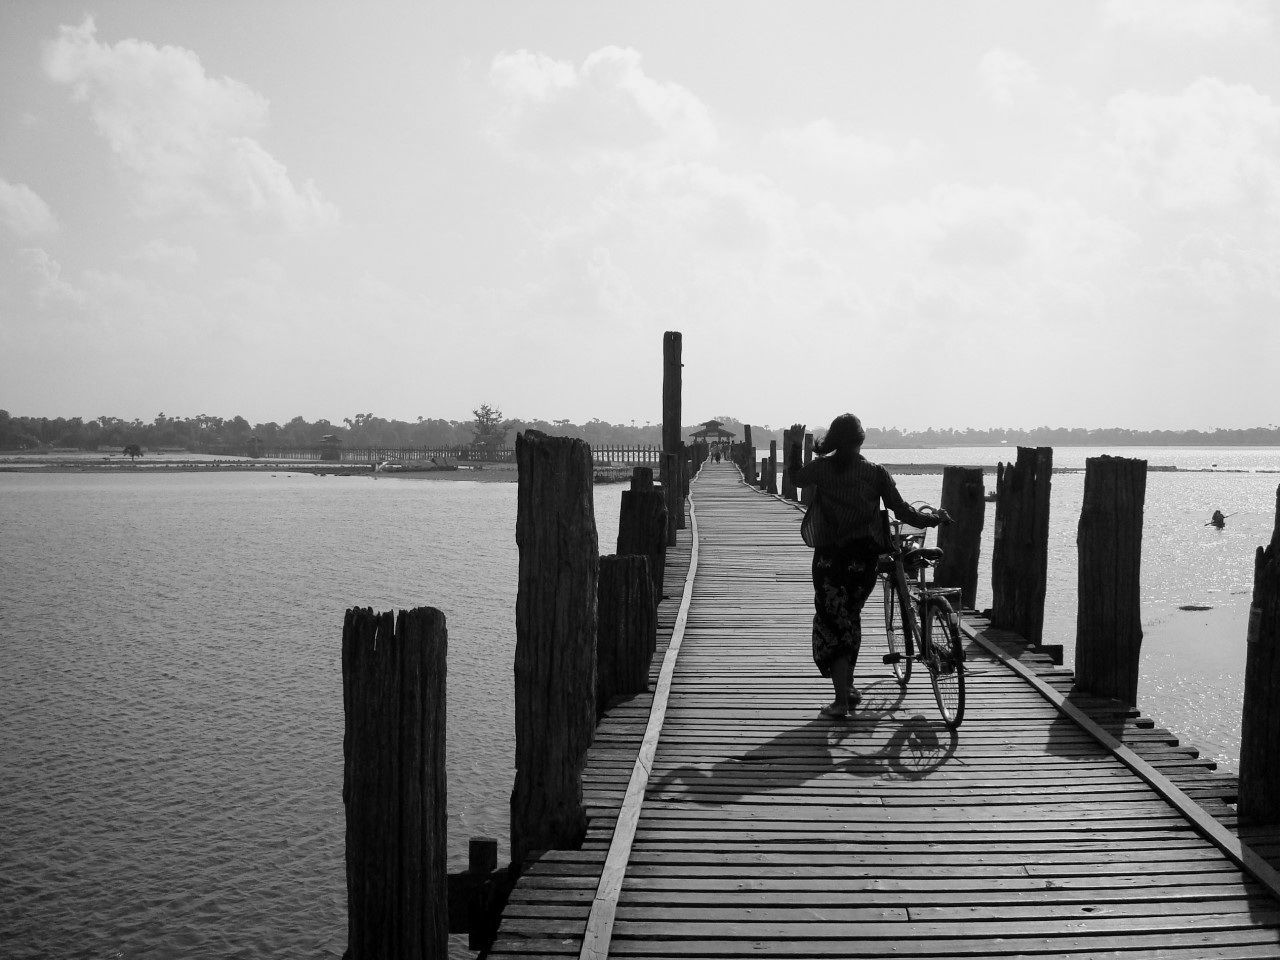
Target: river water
172	727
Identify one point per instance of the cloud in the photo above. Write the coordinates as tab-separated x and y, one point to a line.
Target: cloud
186	135
44	274
821	143
172	256
23	212
606	108
1212	145
1195	21
1007	78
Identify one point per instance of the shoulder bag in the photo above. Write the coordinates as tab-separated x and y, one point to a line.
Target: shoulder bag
814	529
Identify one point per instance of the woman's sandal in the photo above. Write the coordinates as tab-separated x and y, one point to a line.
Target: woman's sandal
831	710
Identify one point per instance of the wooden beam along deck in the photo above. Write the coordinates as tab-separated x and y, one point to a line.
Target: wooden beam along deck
760	828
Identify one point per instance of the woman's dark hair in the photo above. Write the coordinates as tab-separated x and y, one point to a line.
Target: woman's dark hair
843	439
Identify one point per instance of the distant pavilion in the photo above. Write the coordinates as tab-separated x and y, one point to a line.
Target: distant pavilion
713	432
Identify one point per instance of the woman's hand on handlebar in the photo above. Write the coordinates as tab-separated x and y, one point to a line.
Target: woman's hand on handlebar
936	513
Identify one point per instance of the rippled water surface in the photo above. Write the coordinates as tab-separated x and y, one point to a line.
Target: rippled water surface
172	705
171	783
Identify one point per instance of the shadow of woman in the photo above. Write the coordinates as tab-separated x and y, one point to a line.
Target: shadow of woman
819	747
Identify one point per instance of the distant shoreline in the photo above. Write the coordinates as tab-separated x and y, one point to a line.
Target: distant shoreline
488	473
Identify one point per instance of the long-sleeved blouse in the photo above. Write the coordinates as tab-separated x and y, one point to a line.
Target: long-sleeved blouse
851	497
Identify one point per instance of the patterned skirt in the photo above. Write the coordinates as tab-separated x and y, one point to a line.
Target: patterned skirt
843	577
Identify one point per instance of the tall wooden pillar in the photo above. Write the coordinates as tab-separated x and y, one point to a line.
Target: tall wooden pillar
393	783
672	375
773	466
1020	557
749	455
627	628
1108	599
961	540
1259	800
793	435
642	525
806	493
555	658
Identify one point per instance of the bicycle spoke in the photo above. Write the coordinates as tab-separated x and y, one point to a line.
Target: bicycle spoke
899	654
945	660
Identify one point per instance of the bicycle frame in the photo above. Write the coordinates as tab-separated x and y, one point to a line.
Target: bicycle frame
923	610
910	595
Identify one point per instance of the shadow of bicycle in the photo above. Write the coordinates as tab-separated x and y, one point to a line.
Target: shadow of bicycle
915	747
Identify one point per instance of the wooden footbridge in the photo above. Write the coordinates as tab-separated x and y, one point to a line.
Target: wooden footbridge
728	818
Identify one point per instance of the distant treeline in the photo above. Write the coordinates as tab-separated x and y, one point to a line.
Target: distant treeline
207	433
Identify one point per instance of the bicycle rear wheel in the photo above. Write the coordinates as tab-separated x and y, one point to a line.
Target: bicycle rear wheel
899	656
944	656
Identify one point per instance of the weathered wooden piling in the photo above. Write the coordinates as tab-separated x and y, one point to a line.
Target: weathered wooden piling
762	478
773	466
642	525
682	458
748	455
786	489
672	374
555	657
1259	800
806	493
627	628
1020	557
963	498
393	786
793	435
669	470
1108	599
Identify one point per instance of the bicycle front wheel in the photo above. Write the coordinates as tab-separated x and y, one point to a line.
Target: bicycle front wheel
899	656
944	656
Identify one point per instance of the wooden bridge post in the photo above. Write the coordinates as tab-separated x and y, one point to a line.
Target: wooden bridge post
773	466
1259	799
962	497
555	658
748	455
682	459
806	493
762	478
393	783
1020	557
627	628
672	375
794	434
669	469
1108	600
642	525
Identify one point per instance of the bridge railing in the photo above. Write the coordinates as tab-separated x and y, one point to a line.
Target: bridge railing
630	454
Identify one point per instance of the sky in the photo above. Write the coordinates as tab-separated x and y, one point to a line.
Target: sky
947	213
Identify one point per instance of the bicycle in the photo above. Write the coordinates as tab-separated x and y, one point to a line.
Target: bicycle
920	621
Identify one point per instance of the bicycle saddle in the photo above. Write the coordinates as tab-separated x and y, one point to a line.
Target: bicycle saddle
920	556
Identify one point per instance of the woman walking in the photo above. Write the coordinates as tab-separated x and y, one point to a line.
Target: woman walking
848	535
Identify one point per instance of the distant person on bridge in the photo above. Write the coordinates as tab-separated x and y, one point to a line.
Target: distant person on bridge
848	538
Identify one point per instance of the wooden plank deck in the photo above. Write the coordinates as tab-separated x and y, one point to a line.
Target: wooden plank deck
767	829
